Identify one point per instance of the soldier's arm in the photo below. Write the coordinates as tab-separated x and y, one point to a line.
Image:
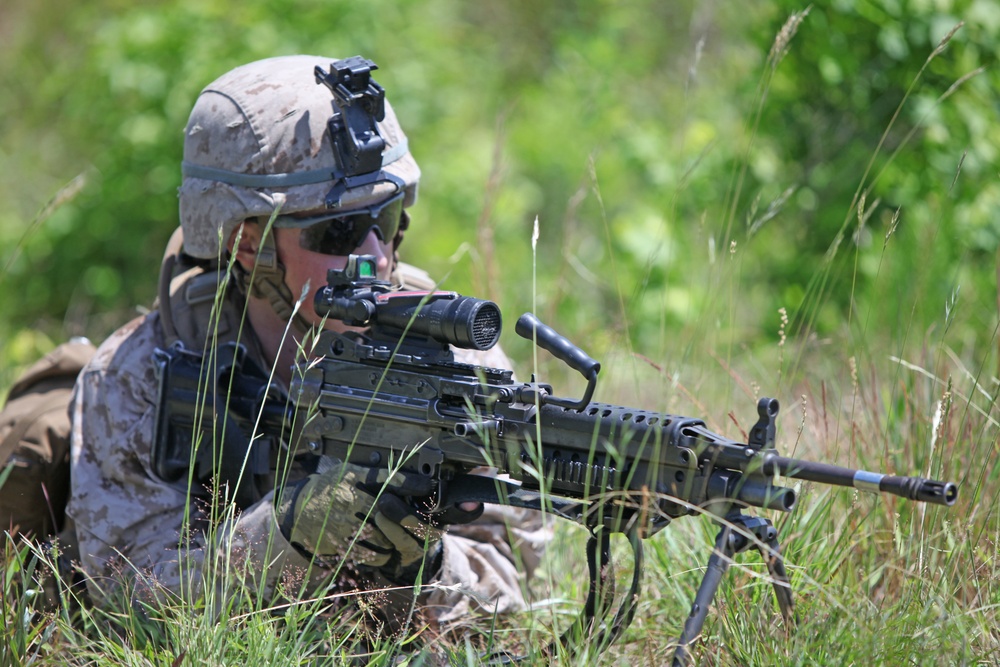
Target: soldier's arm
133	529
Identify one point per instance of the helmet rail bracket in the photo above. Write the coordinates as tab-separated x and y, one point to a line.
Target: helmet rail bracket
359	103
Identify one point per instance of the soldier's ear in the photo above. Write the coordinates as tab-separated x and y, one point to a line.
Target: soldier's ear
247	235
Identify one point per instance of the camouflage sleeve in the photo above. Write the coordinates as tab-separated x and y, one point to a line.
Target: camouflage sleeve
134	530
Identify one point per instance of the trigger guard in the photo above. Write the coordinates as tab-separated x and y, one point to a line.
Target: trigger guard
448	513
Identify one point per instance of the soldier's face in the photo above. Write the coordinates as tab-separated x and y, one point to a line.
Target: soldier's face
304	267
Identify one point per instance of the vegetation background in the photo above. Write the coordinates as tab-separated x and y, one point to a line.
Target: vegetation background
732	199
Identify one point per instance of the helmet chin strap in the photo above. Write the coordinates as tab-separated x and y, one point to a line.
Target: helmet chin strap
267	281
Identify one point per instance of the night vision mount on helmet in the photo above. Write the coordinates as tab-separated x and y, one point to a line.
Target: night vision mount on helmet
359	102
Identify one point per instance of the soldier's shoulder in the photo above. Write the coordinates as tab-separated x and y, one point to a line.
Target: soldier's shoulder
410	277
129	347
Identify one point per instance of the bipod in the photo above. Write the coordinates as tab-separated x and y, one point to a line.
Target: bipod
739	532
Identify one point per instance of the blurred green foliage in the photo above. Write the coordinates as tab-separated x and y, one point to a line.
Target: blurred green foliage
690	175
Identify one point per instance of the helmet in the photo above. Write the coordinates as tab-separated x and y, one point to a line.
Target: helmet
258	138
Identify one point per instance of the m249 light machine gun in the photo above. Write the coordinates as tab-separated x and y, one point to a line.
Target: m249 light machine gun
396	396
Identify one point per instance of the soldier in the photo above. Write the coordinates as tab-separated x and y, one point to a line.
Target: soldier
259	142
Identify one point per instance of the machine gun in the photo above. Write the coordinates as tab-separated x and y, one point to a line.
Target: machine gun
396	396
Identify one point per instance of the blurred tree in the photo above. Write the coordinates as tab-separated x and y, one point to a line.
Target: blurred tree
685	186
895	102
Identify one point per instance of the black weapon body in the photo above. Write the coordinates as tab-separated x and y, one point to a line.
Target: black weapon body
445	419
395	397
413	406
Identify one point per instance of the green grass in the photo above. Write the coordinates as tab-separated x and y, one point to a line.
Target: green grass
877	580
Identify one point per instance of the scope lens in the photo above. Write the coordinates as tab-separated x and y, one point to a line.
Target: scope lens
486	326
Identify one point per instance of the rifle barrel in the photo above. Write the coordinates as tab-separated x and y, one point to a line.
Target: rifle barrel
913	488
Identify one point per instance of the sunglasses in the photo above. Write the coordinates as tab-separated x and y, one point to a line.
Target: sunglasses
342	233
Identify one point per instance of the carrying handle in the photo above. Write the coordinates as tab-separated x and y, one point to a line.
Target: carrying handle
531	328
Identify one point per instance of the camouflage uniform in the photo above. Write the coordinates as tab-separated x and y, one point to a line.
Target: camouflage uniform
257	140
133	527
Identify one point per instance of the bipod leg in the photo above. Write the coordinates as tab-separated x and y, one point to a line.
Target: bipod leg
733	538
771	554
718	563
